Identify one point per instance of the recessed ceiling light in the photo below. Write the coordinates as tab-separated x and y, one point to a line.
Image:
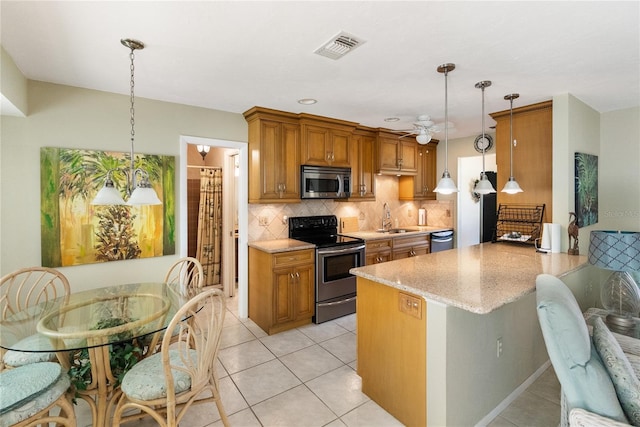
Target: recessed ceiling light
392	119
307	101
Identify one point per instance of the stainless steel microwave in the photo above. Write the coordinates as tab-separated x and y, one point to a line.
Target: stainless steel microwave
324	182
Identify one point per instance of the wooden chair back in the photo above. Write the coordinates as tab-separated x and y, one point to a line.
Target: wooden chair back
184	273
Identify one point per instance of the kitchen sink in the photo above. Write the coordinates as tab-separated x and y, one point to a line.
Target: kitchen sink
395	230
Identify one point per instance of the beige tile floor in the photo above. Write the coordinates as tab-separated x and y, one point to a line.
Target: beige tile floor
307	377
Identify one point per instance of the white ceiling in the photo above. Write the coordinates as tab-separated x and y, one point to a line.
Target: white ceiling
234	55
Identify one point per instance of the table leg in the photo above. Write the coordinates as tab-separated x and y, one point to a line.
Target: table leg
98	392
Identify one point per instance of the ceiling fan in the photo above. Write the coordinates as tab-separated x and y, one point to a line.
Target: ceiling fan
424	128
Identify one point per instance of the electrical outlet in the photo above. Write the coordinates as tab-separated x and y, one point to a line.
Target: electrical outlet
361	216
499	347
263	221
448	213
409	213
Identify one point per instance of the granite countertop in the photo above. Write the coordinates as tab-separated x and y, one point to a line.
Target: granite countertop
410	230
281	245
479	278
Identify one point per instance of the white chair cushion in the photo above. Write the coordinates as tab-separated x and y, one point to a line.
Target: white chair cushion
26	390
146	380
21	358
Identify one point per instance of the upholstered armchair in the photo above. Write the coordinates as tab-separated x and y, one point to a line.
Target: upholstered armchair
598	375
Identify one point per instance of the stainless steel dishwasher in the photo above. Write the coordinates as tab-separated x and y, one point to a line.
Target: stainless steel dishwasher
441	241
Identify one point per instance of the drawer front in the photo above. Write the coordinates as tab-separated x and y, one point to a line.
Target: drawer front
409	241
378	245
284	259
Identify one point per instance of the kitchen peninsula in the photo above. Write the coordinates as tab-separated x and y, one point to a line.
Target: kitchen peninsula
444	338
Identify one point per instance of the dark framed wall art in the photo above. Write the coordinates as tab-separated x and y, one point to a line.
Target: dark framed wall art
586	189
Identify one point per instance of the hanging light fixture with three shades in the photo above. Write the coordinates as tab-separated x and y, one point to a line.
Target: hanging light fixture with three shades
139	190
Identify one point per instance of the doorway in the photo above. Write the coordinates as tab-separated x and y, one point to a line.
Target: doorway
469	211
234	211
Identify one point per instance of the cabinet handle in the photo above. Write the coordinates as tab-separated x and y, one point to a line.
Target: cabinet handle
297	275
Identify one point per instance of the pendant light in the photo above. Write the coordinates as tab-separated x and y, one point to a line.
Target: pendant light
483	186
446	184
139	189
511	187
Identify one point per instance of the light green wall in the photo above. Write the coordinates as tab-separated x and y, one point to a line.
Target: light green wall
63	116
619	189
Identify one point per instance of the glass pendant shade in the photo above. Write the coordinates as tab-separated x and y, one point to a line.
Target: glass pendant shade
143	196
446	184
512	186
484	185
108	195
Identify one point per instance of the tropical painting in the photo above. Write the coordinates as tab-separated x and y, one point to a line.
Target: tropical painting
75	232
586	189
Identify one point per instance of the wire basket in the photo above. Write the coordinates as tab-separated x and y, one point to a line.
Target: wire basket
520	223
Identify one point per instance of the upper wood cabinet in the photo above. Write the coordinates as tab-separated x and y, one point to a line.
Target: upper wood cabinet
532	155
274	156
363	165
325	141
396	156
420	186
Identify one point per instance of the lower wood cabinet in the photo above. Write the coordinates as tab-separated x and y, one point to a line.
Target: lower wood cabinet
377	251
405	247
281	289
388	249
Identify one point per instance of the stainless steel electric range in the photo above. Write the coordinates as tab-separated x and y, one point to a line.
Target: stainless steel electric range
335	256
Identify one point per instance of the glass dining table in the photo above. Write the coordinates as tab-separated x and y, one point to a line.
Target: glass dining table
84	330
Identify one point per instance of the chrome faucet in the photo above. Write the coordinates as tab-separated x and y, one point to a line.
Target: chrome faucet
386	217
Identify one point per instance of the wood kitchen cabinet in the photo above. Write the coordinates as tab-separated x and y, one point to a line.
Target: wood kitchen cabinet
281	289
397	156
420	186
409	246
274	156
398	247
532	155
377	251
325	141
363	166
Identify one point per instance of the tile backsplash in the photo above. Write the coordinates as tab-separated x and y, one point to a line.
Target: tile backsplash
267	221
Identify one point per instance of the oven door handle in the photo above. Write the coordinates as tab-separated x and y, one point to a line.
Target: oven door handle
344	301
340	251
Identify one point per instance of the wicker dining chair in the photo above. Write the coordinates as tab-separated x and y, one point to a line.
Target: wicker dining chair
166	384
185	272
22	289
29	395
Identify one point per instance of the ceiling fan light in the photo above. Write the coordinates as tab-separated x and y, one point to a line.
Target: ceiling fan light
423	138
512	187
484	185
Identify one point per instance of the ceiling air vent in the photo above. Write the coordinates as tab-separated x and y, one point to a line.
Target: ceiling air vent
339	46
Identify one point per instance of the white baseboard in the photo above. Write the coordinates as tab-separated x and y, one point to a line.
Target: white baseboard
514	394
